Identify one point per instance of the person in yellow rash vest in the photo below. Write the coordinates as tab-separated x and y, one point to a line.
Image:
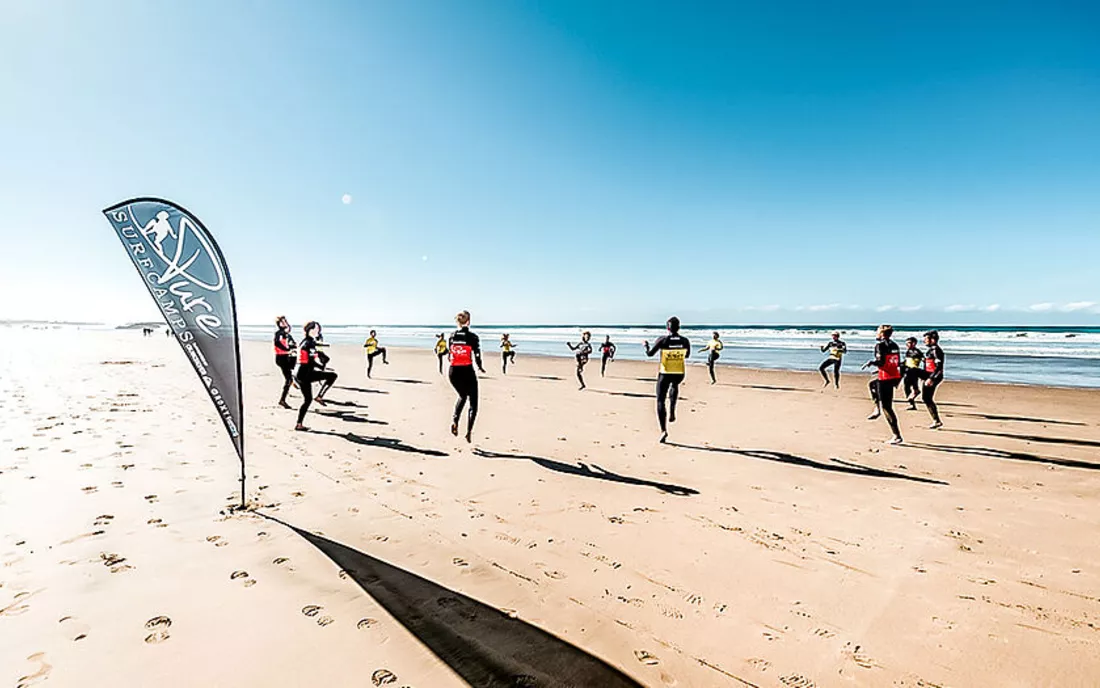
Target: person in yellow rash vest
371	349
506	354
441	350
714	346
674	350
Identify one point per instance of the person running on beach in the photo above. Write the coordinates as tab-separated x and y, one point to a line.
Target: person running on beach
713	346
441	349
888	361
836	349
607	352
371	349
506	353
465	350
583	350
933	374
311	362
285	350
914	362
674	352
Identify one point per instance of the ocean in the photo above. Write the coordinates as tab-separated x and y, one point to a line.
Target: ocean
1052	356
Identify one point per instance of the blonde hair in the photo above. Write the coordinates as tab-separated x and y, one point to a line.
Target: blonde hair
463	318
887	330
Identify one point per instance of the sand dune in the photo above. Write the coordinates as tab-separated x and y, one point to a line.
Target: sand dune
775	542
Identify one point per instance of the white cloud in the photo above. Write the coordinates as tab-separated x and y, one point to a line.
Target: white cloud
959	308
883	309
1041	307
992	308
346	198
769	308
823	307
1077	306
910	309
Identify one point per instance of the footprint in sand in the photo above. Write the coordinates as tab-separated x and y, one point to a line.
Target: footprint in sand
151	498
216	540
38	676
157	523
383	677
759	664
311	610
237	575
324	621
73	628
549	573
16	607
159	626
646	658
797	681
114	562
117	483
279	561
103	520
366	623
460	562
89	489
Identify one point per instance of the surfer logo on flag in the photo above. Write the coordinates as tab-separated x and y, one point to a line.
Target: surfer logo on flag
186	267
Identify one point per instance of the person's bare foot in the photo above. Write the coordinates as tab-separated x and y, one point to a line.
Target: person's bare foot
454	428
301	428
284	404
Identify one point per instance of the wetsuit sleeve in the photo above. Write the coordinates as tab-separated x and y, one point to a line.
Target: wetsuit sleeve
475	342
938	375
657	346
880	355
843	348
687	350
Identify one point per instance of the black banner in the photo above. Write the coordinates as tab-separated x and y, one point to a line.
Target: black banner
185	272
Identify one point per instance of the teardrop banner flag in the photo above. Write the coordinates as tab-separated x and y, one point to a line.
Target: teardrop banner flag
185	273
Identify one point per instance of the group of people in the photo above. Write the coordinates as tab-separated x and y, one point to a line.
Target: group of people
921	371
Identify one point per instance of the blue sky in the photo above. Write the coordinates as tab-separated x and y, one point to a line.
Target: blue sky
563	161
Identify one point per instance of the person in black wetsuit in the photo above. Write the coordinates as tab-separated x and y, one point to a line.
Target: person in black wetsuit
933	376
311	362
465	350
441	350
888	361
912	373
607	352
583	350
674	353
836	349
371	349
506	353
285	350
714	346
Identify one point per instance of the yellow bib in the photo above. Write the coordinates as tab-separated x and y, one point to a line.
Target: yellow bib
441	347
372	345
672	361
507	346
912	363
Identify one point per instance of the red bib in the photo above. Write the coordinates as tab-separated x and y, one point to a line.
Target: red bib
891	369
462	355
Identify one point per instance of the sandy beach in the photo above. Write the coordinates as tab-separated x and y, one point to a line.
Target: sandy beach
777	541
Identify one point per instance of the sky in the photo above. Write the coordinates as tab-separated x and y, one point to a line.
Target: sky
570	161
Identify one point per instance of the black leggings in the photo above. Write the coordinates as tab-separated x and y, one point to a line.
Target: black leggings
928	395
912	382
441	357
286	364
505	357
835	363
882	391
464	380
668	385
710	364
370	358
603	363
326	377
580	371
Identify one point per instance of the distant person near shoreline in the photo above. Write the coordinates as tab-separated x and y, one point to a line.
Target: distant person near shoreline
441	350
714	346
506	353
836	349
888	362
583	350
607	353
465	351
371	350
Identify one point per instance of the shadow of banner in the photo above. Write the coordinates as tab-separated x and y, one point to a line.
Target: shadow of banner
483	645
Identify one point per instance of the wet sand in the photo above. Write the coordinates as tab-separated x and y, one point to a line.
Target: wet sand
775	542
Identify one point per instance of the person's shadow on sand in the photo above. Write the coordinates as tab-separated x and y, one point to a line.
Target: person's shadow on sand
483	645
585	471
838	465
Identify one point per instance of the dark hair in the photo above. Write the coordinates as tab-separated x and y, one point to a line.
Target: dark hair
933	335
673	324
911	339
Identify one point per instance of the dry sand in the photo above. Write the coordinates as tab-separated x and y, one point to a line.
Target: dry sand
779	543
